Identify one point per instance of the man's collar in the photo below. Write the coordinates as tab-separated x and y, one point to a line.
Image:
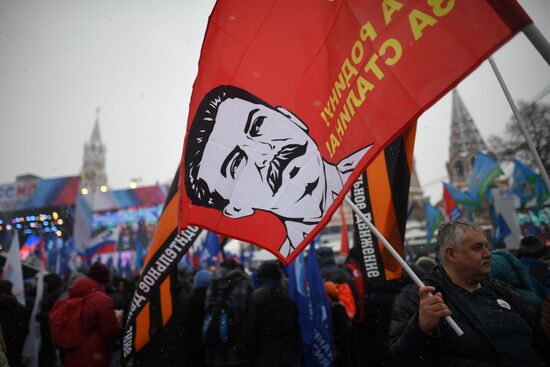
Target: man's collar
450	280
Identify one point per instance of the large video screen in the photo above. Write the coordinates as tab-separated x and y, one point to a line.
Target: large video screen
126	224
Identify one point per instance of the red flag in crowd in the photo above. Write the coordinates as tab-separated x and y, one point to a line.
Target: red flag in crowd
294	99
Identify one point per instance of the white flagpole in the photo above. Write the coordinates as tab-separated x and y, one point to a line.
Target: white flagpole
521	124
538	41
399	259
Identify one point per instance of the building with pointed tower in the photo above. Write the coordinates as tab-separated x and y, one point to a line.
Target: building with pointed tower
93	176
415	231
417	199
465	141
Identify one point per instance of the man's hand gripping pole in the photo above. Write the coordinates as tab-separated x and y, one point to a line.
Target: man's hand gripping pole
397	257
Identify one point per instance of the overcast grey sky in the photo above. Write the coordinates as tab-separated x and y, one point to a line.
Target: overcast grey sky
137	60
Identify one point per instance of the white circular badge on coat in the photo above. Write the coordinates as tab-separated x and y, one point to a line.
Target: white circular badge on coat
502	303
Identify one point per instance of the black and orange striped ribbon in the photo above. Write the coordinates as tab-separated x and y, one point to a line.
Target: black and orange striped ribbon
381	193
154	297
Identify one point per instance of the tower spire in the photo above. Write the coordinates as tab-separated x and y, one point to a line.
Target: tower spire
96	136
465	137
93	175
465	141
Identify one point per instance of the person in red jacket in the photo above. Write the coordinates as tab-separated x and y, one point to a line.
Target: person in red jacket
99	322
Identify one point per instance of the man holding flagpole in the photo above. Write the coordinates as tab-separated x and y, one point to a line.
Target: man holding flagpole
499	326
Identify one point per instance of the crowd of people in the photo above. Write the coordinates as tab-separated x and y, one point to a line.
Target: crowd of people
232	316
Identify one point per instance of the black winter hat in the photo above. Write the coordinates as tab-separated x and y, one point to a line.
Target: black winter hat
531	246
269	270
99	272
53	281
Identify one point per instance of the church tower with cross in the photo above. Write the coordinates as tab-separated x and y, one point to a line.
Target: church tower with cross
93	176
465	141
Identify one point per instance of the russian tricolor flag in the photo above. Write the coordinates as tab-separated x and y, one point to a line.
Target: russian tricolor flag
29	247
452	211
102	243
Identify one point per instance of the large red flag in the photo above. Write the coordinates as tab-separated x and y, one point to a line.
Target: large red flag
294	99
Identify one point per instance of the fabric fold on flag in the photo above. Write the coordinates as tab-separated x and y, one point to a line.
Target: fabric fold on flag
433	219
485	170
528	185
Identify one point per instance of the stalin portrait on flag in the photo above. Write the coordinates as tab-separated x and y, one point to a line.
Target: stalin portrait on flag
243	155
293	99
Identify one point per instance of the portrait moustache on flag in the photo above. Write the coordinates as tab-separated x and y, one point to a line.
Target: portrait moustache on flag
274	165
290	105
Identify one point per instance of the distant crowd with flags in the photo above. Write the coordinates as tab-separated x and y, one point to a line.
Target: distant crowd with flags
320	307
526	192
323	297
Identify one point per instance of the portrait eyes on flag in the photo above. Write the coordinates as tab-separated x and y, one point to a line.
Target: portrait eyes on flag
294	99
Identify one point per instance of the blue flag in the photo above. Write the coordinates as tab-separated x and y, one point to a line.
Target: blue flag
66	250
245	257
501	230
541	192
484	172
209	252
433	219
528	185
307	290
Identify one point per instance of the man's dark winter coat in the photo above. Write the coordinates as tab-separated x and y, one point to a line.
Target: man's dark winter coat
409	346
273	327
15	327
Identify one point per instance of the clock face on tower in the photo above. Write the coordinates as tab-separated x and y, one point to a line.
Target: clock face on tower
92	172
90	175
